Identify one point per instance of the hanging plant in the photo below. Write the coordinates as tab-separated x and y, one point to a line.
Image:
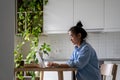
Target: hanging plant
30	27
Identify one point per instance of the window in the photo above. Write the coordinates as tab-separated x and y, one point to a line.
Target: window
29	16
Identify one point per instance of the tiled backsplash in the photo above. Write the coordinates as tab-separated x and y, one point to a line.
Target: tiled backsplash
107	45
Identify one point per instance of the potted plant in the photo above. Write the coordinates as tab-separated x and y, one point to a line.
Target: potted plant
29	27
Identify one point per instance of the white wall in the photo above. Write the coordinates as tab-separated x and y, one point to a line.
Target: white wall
7	25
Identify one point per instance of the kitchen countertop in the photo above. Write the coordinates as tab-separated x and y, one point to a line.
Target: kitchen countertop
109	59
100	59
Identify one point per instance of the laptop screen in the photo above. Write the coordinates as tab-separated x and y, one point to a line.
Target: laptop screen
40	61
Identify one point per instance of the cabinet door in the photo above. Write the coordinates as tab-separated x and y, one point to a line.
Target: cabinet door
90	12
112	15
58	16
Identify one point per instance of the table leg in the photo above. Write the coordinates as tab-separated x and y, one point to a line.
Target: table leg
60	75
41	75
73	75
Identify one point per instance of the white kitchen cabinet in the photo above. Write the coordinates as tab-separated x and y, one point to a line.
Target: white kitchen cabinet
112	15
90	12
58	16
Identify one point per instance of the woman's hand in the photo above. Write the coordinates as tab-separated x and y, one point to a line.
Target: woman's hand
51	64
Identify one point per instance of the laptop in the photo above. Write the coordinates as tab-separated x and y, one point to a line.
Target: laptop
40	61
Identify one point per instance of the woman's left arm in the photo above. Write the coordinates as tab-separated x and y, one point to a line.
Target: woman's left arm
58	65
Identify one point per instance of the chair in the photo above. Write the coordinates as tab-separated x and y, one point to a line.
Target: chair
108	70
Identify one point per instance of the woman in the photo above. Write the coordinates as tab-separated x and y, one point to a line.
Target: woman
83	58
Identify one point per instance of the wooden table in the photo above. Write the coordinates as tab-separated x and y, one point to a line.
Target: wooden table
59	70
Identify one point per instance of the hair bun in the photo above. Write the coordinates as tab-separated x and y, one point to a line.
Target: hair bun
79	24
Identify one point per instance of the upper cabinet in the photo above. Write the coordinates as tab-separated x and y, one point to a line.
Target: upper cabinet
91	13
96	15
112	15
58	16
